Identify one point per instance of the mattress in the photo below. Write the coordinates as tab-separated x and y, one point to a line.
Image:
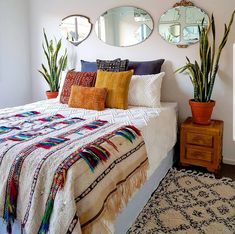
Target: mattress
158	125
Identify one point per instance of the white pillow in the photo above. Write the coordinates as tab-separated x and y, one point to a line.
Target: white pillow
145	90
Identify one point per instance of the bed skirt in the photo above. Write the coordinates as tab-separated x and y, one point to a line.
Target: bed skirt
128	215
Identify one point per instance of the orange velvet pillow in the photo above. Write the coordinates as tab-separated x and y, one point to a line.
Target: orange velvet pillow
87	97
117	84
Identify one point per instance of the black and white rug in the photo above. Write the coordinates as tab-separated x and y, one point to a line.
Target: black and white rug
191	203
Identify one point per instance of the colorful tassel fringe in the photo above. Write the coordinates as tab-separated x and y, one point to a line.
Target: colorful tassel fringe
92	154
51	118
71	121
50	142
11	201
27	114
4	129
94	124
129	132
20	137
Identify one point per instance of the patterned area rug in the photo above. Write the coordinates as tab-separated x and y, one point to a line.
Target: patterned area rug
191	203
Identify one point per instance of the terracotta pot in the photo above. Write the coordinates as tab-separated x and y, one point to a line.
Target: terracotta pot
51	95
202	111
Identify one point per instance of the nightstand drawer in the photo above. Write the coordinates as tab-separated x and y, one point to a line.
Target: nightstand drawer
198	154
199	139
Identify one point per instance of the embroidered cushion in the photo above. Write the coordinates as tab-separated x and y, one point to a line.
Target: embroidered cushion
88	98
86	79
87	66
116	65
146	67
145	90
117	84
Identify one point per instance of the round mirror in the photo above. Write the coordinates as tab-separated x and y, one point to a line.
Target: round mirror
75	28
179	25
124	26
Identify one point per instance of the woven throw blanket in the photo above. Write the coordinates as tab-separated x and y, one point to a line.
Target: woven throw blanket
67	174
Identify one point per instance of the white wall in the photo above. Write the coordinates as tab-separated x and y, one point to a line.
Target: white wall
15	83
48	14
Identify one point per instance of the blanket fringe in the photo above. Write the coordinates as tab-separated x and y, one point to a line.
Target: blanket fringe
116	202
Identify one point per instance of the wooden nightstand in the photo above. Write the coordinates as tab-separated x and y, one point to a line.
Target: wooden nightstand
201	145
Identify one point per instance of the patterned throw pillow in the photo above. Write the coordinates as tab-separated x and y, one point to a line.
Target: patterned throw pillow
116	65
117	84
145	90
88	98
86	79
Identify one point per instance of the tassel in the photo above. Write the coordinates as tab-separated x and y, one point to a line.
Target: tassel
96	152
60	178
13	195
93	155
71	121
9	228
101	152
110	143
46	218
121	133
88	150
136	130
84	156
10	212
27	114
4	129
50	142
51	118
128	133
20	137
94	124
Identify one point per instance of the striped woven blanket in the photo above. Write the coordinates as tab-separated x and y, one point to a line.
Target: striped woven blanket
66	174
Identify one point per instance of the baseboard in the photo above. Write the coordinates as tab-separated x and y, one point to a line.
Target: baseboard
229	161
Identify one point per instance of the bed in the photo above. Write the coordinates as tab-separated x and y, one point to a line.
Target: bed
158	127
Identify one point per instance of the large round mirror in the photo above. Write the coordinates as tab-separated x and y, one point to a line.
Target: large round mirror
75	28
179	25
124	26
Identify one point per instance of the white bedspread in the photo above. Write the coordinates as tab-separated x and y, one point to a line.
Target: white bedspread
158	125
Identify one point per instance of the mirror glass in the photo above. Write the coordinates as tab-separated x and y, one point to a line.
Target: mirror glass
124	26
75	28
179	25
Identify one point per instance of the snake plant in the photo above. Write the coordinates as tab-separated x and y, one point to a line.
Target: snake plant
203	75
55	65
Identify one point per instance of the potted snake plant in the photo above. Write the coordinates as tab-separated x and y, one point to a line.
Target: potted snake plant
55	65
203	74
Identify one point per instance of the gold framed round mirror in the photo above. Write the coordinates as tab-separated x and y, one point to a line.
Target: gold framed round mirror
179	25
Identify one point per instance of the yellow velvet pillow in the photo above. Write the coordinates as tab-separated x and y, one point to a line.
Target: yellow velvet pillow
117	84
87	98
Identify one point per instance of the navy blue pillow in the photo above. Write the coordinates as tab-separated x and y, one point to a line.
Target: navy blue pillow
88	66
139	67
146	67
